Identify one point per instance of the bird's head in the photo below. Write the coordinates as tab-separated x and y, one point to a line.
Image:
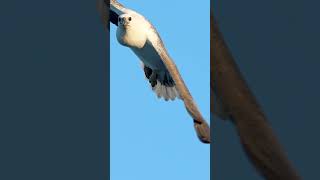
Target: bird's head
125	20
132	30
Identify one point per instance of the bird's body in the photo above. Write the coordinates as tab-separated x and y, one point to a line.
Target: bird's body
149	57
139	43
137	33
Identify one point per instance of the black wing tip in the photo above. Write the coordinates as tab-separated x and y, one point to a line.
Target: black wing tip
113	17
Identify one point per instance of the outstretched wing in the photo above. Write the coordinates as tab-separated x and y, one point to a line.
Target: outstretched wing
201	126
118	8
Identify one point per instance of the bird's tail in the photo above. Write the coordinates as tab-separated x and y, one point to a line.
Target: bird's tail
203	131
167	92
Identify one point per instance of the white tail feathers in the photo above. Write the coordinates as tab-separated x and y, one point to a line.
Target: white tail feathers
165	92
161	83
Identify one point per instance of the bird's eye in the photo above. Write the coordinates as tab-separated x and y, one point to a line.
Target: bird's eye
129	18
119	19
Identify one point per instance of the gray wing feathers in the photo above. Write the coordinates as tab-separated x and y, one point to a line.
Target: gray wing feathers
118	8
201	126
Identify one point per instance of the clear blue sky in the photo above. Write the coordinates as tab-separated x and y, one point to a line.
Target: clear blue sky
152	139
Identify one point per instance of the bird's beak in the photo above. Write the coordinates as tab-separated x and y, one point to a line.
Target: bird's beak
123	22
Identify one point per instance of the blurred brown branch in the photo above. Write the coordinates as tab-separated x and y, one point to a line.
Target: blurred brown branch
256	135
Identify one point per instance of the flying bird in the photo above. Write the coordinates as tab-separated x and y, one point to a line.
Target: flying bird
137	33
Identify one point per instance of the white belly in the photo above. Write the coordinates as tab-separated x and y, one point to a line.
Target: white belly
136	39
149	56
131	37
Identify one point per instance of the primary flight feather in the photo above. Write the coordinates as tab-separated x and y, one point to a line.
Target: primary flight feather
137	33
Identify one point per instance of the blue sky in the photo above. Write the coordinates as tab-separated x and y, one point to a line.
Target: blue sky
152	138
